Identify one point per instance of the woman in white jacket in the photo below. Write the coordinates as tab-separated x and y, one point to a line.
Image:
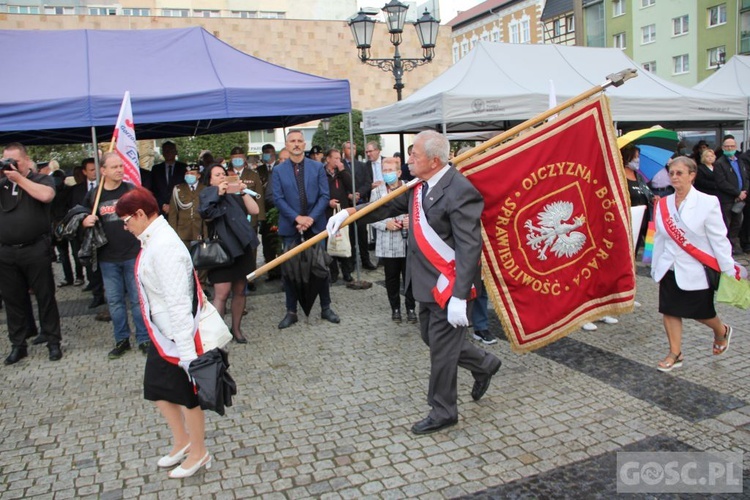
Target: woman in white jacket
166	281
684	291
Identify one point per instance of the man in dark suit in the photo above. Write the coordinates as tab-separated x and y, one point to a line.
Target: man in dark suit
363	184
731	174
448	213
300	192
166	175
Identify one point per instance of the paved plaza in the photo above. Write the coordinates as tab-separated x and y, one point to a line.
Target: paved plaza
324	411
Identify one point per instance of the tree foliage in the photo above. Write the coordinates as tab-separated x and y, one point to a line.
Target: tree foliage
67	155
188	148
338	133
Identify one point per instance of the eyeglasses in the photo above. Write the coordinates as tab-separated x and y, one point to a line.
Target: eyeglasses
369	150
126	219
678	173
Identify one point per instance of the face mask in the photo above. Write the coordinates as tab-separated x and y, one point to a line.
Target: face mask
729	152
266	157
191	179
237	162
635	164
390	177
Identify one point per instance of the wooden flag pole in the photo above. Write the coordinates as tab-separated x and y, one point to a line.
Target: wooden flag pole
615	79
101	180
324	234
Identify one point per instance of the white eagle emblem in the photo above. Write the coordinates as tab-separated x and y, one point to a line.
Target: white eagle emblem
554	232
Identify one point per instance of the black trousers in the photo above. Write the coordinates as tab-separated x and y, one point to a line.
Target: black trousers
364	252
394	269
75	246
27	268
270	249
745	230
733	222
63	251
96	281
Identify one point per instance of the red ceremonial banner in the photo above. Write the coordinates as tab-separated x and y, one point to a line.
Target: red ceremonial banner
558	246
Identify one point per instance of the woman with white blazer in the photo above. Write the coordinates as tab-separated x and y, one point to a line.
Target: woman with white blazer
684	290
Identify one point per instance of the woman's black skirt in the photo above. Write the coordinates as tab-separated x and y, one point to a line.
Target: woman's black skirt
241	267
164	381
693	304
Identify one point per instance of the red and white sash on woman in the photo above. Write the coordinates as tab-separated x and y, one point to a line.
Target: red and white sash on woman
438	253
679	232
164	345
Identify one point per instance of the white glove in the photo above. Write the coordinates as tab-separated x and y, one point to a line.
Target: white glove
334	223
457	312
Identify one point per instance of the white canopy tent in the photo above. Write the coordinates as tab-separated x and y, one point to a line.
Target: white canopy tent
732	79
498	83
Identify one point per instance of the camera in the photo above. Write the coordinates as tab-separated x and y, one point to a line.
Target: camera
7	164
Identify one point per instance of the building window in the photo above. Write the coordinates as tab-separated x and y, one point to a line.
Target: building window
136	12
485	36
174	12
681	64
570	22
716	56
456	57
618	41
22	9
513	32
495	34
558	27
102	11
525	31
648	34
464	47
473	42
680	25
650	66
244	14
272	15
205	13
263	136
647	3
59	10
745	32
618	7
717	15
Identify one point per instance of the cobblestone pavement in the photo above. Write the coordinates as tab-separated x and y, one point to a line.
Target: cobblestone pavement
325	410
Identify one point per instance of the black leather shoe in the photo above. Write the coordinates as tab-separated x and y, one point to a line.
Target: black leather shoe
411	316
55	353
239	338
63	284
16	355
348	278
481	386
328	315
39	339
396	316
369	266
289	320
96	302
430	425
88	288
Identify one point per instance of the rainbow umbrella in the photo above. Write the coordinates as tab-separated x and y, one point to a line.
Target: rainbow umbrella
657	146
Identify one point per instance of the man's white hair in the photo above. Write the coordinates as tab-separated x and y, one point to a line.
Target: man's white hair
436	145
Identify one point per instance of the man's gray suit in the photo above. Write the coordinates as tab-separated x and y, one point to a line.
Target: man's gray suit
453	208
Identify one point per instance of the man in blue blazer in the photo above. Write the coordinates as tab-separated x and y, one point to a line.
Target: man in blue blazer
301	211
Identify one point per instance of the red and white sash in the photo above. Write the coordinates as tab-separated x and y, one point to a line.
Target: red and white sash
438	253
165	346
679	233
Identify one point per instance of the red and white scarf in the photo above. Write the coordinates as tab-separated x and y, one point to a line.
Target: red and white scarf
438	252
679	233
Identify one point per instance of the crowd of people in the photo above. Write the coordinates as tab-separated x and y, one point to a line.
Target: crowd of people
121	239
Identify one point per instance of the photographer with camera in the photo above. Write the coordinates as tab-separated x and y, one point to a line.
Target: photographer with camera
25	251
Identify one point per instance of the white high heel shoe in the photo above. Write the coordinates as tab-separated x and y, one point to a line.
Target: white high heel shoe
170	460
181	472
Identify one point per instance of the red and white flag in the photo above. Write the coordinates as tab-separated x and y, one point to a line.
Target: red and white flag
557	247
125	142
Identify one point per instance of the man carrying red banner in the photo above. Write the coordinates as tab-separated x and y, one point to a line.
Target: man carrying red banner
443	269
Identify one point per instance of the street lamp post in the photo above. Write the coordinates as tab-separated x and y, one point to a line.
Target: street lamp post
362	26
326	124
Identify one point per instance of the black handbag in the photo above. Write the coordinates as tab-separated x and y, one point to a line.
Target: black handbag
209	253
713	276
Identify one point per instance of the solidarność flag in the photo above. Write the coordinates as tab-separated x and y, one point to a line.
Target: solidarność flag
557	249
125	142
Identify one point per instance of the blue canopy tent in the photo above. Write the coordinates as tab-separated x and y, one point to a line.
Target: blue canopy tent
65	84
